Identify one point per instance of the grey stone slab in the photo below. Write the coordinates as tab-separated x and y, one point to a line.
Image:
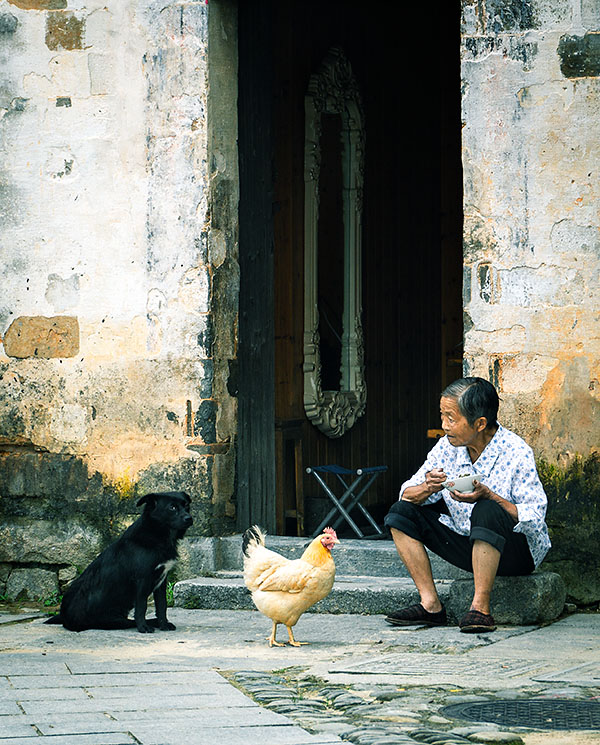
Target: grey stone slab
206	696
41	694
142	700
93	723
533	599
569	641
109	738
443	667
84	665
109	679
9	707
226	717
274	735
12	663
99	722
366	595
201	716
16	727
586	674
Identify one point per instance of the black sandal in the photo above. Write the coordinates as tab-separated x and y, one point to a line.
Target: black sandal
416	615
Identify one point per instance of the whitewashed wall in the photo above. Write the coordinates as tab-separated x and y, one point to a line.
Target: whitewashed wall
107	253
531	145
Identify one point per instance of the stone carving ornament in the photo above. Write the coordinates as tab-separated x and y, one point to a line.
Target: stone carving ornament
333	90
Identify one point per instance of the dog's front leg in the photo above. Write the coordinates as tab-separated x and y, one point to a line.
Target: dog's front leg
160	602
139	613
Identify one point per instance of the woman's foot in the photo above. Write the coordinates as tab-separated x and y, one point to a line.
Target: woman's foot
476	622
415	615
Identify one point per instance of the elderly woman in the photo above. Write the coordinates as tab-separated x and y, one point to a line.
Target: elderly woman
497	528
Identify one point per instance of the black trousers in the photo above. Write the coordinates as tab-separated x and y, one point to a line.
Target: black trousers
489	522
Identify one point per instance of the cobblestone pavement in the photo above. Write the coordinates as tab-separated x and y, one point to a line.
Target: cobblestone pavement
215	678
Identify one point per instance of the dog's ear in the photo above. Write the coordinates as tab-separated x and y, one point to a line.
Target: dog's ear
146	499
188	499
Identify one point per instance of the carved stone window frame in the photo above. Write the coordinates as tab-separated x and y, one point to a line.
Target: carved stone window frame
334	90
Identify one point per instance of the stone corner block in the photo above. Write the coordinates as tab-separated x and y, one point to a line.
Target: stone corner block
536	598
48	542
197	557
31	584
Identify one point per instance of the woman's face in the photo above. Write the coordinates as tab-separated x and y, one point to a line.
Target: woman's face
455	425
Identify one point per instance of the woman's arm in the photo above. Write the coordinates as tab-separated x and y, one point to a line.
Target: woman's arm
481	491
421	492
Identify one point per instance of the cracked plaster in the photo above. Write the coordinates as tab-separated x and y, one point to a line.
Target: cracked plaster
532	199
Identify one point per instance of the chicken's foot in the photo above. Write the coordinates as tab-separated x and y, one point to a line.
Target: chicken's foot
271	639
293	642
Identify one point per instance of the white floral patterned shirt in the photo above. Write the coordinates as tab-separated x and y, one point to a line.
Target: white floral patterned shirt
507	467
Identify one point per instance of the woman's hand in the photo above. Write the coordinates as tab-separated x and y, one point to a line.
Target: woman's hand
432	484
434	480
480	491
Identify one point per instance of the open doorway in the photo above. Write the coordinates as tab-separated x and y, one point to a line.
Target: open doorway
411	246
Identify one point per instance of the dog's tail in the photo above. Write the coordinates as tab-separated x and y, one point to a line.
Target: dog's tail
254	536
54	619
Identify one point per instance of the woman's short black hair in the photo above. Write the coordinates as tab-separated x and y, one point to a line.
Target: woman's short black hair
475	397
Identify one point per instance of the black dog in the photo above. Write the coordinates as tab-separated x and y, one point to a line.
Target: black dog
123	575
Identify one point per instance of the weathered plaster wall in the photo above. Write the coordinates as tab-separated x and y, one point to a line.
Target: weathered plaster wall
531	148
531	96
117	311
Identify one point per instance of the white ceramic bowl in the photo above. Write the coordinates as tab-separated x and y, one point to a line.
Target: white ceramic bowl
463	484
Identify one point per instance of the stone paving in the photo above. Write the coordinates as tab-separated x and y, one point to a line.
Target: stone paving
215	679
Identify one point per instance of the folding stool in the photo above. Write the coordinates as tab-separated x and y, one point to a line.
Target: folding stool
350	498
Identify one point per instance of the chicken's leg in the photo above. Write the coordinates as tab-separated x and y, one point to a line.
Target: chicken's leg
271	639
293	642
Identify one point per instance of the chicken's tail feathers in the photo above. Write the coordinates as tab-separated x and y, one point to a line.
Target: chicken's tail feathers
254	536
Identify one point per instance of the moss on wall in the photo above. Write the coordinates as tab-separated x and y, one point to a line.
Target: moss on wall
56	514
574	524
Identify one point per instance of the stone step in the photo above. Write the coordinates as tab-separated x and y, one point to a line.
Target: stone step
350	594
537	598
376	558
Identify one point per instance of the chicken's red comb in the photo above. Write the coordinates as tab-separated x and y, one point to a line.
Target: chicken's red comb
331	531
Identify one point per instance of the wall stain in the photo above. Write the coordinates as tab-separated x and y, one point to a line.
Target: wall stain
511	47
574	489
579	55
39	4
8	23
64	31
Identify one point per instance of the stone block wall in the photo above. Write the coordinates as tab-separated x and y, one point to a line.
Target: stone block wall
531	142
118	257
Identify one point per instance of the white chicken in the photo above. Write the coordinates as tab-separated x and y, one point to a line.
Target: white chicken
283	589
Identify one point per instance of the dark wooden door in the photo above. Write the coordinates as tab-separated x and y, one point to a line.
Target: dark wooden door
256	412
412	242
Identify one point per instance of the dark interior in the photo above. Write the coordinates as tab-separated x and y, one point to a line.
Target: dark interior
409	77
